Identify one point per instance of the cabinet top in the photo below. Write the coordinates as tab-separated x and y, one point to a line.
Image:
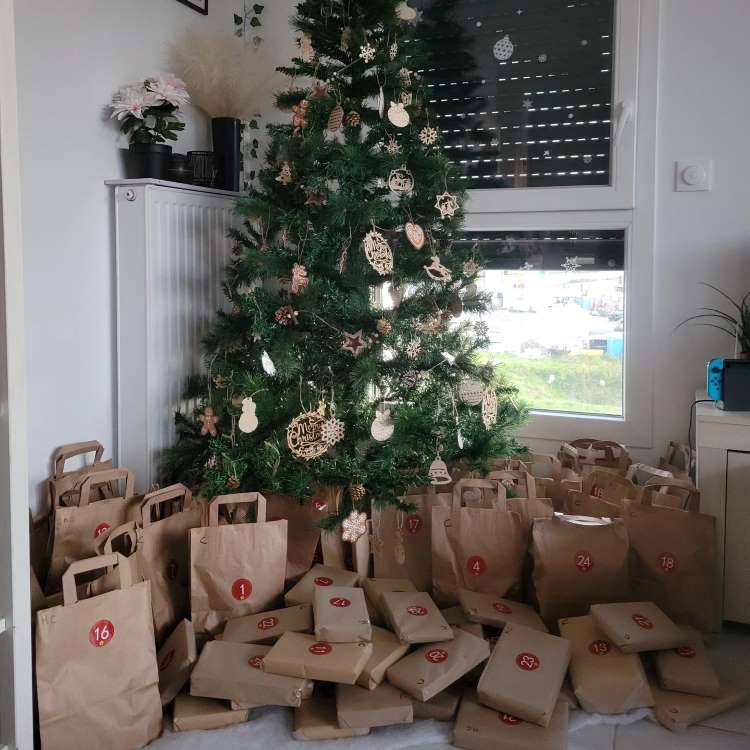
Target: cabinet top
174	186
708	412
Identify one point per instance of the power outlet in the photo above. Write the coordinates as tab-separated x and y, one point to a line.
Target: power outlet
693	176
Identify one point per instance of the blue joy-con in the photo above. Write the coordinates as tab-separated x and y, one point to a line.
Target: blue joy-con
715	379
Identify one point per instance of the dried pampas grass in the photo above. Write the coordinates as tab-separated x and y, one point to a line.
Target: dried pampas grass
225	76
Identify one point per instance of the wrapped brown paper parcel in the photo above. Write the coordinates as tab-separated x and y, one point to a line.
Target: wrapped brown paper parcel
688	669
267	627
605	680
375	587
316	719
192	713
414	617
175	661
319	576
525	673
340	614
235	672
433	667
441	707
99	653
359	708
677	711
673	562
638	626
497	612
386	651
307	692
236	569
301	655
578	561
481	728
456	618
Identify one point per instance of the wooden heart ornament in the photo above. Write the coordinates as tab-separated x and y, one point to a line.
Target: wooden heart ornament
415	235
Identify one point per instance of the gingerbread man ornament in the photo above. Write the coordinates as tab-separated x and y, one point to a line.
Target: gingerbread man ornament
209	421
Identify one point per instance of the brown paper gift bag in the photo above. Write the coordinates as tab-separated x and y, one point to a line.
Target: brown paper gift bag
677	711
316	719
192	713
578	562
300	655
516	483
557	490
415	618
672	493
96	674
638	626
673	562
581	504
433	667
525	673
78	527
386	651
319	576
496	612
611	486
62	486
441	707
481	728
358	708
605	680
340	614
267	627
688	669
175	661
235	672
235	569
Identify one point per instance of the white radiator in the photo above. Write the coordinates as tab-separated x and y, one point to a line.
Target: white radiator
172	247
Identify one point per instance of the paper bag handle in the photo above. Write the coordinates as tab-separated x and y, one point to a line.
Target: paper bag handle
482	484
70	450
70	595
165	495
102	477
238	499
128	529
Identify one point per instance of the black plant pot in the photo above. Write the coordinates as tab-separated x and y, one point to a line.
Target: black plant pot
226	132
149	160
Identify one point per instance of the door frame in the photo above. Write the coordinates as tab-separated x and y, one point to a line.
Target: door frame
16	703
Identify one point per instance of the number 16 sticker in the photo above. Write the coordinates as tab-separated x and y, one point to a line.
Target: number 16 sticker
101	633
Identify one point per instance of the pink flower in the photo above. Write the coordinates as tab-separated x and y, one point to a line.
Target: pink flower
132	101
168	88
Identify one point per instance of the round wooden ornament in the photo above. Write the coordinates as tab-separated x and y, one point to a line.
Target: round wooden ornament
397	115
471	391
401	181
304	436
415	235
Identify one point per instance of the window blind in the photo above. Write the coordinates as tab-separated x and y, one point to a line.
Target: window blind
534	114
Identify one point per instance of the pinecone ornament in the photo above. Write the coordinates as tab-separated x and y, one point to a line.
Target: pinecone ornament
354	119
286	316
357	492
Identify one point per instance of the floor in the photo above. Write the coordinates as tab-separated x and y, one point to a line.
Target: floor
271	727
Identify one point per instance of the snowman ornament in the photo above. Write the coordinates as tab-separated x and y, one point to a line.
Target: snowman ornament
398	115
382	427
248	420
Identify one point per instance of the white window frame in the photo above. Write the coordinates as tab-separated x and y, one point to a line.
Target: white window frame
626	204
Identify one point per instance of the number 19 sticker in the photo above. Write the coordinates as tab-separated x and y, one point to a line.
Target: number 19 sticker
101	633
241	589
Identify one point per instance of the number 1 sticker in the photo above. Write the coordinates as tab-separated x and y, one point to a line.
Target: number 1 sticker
101	633
241	589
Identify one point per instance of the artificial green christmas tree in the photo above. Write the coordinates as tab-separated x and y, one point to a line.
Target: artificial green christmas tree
344	361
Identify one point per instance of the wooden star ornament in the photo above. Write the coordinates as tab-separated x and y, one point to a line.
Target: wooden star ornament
354	343
447	204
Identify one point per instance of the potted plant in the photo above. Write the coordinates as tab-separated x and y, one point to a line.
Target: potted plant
148	113
735	323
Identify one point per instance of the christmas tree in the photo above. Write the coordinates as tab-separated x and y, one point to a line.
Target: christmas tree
349	358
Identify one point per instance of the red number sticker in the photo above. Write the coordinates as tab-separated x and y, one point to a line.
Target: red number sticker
668	562
597	491
340	601
241	589
256	662
172	570
436	655
584	561
510	720
528	662
503	608
320	649
414	524
100	529
166	661
476	565
643	622
599	648
319	505
417	611
101	633
267	623
323	581
688	652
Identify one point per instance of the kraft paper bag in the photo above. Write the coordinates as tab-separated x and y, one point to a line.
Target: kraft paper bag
433	667
319	576
376	587
677	711
578	562
386	651
557	490
611	486
456	618
525	673
340	614
415	618
267	627
529	509
641	473
496	612
316	719
673	562
402	542
62	486
300	655
595	454
605	680
672	493
235	569
481	728
638	626
175	661
581	504
358	708
77	528
442	707
96	674
192	713
688	669
517	483
235	672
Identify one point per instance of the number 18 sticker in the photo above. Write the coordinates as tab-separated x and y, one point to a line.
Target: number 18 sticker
101	633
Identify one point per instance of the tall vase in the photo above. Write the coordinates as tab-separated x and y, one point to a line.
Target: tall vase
226	133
